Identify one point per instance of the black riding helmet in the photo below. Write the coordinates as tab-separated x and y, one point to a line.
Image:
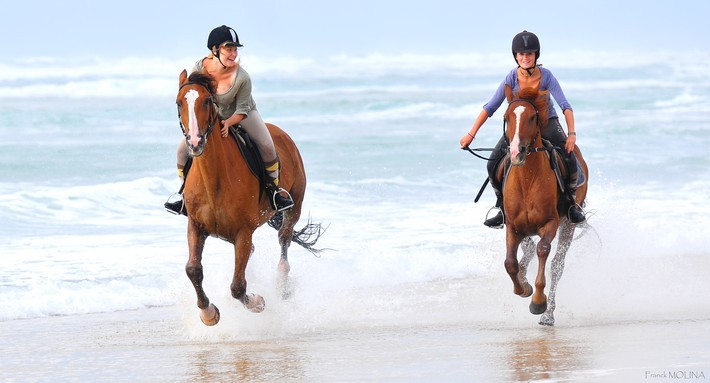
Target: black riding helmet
526	42
223	35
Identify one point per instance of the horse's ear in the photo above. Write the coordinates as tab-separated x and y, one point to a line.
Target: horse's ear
508	93
183	77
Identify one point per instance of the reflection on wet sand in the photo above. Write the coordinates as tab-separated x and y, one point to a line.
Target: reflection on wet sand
545	354
245	362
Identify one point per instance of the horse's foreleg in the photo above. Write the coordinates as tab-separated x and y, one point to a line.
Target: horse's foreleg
528	246
538	305
196	243
557	267
242	252
512	241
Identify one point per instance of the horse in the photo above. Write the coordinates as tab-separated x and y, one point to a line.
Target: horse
533	202
224	199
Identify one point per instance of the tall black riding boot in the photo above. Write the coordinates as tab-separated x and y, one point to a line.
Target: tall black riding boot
496	222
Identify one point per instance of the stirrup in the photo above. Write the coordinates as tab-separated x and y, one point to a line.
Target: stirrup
276	206
581	211
489	221
175	207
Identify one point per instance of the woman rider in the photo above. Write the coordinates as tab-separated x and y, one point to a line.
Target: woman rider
235	105
526	51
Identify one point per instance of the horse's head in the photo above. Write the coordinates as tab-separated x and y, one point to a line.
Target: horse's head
524	118
196	110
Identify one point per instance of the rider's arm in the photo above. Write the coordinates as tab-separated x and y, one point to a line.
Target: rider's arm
556	91
488	109
468	137
571	133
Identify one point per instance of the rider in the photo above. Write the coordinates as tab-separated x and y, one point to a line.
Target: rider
235	106
526	51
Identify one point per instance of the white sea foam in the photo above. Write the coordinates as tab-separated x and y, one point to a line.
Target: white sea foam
157	76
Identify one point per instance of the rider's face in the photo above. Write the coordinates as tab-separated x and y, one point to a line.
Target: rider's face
228	54
525	59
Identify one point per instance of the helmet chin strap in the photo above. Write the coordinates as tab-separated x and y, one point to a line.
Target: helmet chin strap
215	53
530	70
220	61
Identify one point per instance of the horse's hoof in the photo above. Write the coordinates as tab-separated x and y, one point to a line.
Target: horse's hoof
255	303
547	320
210	315
527	290
538	309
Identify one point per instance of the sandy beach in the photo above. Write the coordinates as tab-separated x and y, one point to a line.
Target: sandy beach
153	345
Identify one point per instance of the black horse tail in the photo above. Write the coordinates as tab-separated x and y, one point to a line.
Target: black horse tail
307	236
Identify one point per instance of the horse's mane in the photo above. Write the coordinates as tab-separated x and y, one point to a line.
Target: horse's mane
537	98
203	79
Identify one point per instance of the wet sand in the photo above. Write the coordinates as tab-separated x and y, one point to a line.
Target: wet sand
155	345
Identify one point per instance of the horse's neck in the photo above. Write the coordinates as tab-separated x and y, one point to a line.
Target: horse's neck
535	170
215	162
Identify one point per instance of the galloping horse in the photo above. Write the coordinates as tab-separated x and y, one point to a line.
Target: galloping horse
532	202
223	198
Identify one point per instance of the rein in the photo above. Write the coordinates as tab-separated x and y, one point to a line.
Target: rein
528	149
213	113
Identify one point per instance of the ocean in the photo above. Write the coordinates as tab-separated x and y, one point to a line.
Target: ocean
87	149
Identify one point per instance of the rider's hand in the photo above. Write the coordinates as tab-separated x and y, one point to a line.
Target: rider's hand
224	130
571	141
466	140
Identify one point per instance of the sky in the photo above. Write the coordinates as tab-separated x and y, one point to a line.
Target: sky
326	28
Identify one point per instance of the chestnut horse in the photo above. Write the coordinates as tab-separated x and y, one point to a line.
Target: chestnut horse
224	199
533	202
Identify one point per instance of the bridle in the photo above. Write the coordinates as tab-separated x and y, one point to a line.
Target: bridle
528	148
213	113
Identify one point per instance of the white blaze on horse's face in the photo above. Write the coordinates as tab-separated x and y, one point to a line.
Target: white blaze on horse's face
515	143
193	131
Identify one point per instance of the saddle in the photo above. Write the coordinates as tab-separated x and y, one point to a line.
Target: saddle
557	164
562	172
251	155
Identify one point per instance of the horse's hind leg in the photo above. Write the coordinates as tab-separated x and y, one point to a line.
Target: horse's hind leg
196	243
285	236
528	246
557	267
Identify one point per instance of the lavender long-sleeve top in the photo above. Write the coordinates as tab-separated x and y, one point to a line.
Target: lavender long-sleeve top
548	82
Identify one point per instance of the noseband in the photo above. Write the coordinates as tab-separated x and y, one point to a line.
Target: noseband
213	113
